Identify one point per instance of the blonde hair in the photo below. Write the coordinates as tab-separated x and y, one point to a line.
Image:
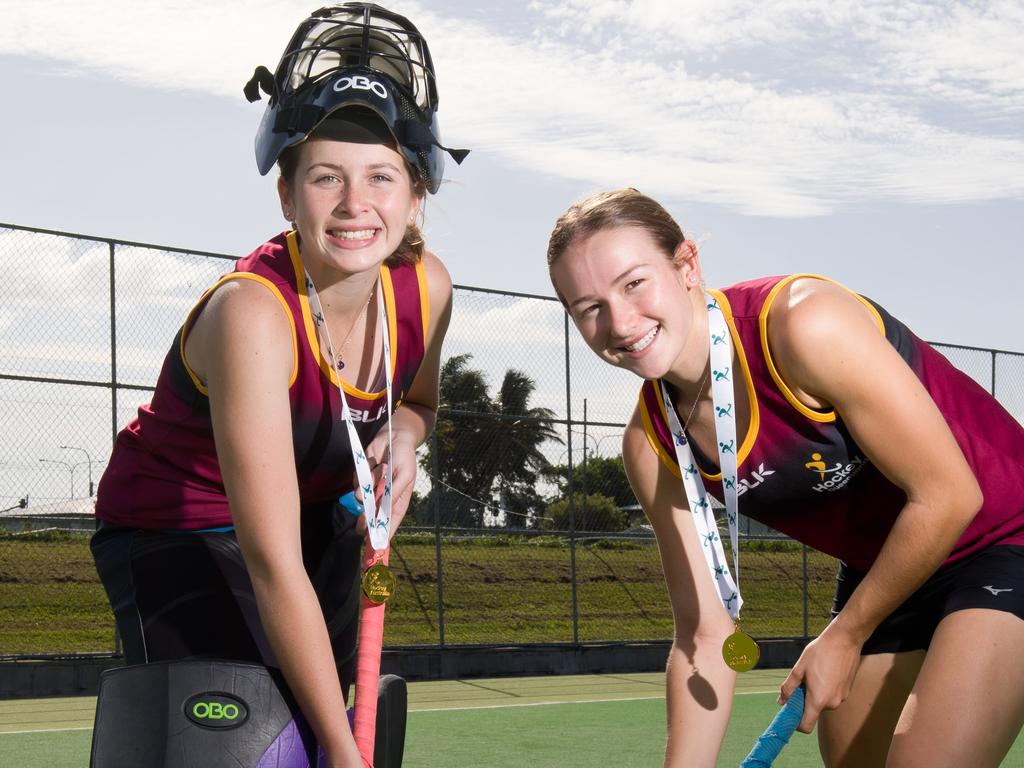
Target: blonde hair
411	249
616	208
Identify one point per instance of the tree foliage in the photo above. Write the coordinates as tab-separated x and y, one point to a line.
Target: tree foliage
605	476
486	449
593	512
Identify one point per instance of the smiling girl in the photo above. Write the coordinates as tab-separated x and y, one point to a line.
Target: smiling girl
309	370
868	445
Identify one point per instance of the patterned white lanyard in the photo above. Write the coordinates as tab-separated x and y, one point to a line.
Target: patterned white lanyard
724	401
378	517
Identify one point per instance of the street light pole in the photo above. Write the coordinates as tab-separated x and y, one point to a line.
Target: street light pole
88	462
70	469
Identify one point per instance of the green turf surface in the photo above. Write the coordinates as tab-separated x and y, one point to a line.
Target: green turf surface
579	735
546	722
61	749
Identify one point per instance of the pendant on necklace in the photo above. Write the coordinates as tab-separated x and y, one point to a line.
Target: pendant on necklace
341	364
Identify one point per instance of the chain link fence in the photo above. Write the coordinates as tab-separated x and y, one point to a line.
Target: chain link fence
523	529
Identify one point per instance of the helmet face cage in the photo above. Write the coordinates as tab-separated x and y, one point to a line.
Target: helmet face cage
359	35
355	40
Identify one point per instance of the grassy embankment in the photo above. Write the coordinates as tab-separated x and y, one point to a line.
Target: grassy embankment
496	590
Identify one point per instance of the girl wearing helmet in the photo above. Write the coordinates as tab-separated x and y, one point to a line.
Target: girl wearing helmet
813	410
308	372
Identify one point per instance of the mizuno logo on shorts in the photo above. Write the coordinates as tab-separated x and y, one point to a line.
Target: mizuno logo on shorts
995	591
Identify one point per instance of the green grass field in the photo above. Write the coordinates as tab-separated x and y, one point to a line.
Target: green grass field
545	722
497	590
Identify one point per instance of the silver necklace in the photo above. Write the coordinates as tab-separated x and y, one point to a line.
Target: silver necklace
700	391
339	361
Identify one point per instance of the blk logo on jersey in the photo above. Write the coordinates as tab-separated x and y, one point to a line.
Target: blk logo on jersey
756	478
835	477
365	416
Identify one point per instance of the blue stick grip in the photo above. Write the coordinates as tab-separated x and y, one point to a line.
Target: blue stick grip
776	735
350	503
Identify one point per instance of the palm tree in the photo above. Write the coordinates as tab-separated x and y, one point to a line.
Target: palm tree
516	451
485	445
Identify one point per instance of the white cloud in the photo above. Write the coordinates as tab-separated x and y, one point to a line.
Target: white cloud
186	45
70	334
953	51
962	53
782	107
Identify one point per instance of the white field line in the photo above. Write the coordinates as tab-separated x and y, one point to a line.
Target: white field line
557	702
431	709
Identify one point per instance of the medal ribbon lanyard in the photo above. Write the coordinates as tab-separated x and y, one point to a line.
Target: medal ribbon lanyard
378	582
724	401
378	517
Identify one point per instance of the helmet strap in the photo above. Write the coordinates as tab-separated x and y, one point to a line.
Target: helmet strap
298	119
413	134
261	78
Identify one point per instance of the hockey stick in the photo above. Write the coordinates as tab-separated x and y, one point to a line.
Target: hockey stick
777	734
371	640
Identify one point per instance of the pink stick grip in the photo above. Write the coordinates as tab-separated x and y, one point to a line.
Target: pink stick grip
371	640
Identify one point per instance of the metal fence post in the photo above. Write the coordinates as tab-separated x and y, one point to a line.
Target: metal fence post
113	380
583	479
572	509
803	548
437	538
113	347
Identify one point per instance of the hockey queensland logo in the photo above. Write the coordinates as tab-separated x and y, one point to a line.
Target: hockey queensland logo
216	710
835	477
360	83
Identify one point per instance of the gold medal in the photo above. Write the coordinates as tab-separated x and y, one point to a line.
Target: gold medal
379	583
740	651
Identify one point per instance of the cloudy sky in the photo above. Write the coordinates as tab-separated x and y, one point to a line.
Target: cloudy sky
879	143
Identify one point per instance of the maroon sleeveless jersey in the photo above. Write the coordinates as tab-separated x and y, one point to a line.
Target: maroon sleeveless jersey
163	472
801	472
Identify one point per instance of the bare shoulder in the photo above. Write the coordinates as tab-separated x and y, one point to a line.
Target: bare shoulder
241	314
248	307
439	290
439	281
817	331
812	310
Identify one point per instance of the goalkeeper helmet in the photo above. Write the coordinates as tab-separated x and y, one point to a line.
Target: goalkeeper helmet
353	54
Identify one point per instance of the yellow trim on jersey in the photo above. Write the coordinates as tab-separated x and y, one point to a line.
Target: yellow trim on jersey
186	327
421	278
652	438
310	328
823	417
755	413
392	306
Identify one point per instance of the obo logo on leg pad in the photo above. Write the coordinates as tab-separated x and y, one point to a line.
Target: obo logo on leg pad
216	710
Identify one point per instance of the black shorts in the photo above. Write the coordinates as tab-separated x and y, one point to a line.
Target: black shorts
992	578
187	595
